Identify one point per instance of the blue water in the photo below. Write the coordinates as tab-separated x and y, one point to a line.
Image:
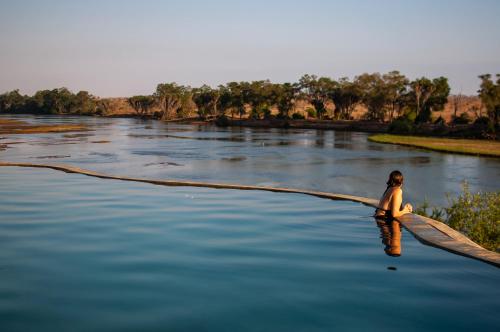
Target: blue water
85	254
341	162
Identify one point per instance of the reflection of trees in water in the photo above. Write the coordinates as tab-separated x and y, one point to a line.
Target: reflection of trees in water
390	233
320	138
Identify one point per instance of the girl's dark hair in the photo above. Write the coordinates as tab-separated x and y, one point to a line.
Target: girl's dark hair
395	179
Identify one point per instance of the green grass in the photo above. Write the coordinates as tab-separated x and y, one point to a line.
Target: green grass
462	146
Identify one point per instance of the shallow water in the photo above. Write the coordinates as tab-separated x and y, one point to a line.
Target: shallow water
81	253
341	162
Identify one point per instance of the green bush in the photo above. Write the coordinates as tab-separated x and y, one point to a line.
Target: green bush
311	112
440	121
410	115
297	116
485	124
475	215
436	214
254	114
267	113
483	127
401	126
463	118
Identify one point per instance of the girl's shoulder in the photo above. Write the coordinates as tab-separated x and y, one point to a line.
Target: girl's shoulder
395	190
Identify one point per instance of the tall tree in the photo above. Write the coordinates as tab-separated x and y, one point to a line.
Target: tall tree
55	101
188	106
428	96
422	89
206	100
12	101
316	91
489	93
259	95
237	95
83	103
170	97
345	96
374	95
104	106
396	85
284	96
141	104
224	100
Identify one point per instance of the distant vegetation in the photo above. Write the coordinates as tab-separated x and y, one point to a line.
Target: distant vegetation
475	215
56	101
389	97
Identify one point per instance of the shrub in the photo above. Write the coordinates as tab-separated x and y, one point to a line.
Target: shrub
440	129
485	124
401	126
483	127
254	114
267	113
436	214
463	118
282	116
411	115
475	215
297	116
440	121
311	112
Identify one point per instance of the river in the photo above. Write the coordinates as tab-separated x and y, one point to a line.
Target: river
332	161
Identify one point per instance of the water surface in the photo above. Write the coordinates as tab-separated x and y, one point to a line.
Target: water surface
341	162
86	254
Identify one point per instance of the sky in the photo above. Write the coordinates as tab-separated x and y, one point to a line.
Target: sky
117	48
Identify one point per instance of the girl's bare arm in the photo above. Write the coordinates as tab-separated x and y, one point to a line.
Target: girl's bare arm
397	198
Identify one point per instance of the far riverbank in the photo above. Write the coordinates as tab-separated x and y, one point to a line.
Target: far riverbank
486	148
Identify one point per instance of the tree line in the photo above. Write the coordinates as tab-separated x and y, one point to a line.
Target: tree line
385	97
55	101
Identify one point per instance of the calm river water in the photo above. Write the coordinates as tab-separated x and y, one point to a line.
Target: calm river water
340	162
85	254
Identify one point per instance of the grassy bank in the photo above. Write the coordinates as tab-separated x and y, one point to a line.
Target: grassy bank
462	146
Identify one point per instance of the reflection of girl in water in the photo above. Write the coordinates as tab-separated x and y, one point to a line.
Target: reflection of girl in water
390	207
390	232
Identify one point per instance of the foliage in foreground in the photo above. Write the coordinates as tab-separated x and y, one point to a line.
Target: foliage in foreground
475	215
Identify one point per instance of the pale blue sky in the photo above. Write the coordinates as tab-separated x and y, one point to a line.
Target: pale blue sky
122	48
